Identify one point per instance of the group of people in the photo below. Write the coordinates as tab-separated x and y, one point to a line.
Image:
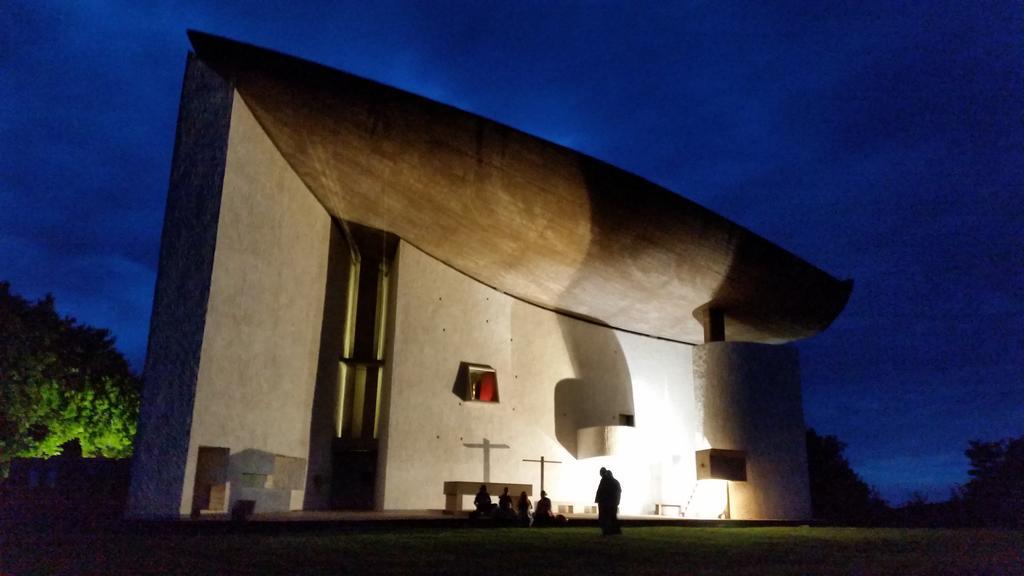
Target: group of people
503	510
609	493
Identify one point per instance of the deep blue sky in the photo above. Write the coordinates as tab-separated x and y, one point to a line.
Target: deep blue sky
882	141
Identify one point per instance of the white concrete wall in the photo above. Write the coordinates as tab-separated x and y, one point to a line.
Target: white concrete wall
748	398
555	375
259	354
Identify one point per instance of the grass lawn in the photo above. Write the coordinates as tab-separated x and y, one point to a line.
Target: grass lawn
660	550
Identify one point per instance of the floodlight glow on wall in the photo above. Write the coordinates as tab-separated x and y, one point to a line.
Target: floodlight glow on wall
710	500
595	441
715	469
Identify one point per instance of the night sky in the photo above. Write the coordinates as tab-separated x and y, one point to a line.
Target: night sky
883	142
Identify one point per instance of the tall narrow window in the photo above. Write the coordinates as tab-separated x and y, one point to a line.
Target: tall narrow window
361	370
348	341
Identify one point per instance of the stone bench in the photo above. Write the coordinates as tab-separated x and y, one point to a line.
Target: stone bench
455	490
573	508
660	506
563	507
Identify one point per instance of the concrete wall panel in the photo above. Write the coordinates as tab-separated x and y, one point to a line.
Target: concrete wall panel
323	425
748	398
182	290
262	339
442	318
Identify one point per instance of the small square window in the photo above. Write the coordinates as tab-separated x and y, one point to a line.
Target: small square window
626	420
480	383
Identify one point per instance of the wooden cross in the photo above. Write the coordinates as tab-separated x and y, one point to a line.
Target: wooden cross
542	463
486	445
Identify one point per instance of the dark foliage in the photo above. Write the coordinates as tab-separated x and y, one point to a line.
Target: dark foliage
918	512
838	494
60	381
994	496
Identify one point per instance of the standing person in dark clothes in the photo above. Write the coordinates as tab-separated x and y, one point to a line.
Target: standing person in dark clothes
609	492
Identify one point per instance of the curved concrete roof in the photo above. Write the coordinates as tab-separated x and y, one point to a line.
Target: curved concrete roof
533	219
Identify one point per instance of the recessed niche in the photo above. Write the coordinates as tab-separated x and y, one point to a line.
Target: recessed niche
476	383
717	464
210	489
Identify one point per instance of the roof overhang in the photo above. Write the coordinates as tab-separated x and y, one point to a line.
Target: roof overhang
528	217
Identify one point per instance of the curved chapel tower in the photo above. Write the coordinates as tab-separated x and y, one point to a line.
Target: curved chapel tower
368	299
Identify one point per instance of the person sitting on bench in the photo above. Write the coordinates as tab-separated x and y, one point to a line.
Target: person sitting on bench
505	506
484	506
524	509
542	515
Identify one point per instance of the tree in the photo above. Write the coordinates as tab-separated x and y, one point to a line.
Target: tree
838	494
60	381
994	496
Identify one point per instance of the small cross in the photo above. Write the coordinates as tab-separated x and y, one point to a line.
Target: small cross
486	445
542	463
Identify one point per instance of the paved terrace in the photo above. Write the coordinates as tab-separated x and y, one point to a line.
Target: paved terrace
393	520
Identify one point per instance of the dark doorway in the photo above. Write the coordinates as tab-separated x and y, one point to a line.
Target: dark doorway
353	477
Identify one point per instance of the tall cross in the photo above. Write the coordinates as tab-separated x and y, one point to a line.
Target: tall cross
542	463
486	445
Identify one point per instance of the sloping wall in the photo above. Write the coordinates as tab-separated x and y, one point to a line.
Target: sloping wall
262	337
182	291
555	375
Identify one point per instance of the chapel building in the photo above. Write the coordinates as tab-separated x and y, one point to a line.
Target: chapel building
370	300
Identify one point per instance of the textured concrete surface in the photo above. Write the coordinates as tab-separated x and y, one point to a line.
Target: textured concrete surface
606	441
323	424
533	219
182	290
261	344
748	398
443	318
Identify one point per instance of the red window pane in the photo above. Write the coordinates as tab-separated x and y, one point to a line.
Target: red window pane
487	387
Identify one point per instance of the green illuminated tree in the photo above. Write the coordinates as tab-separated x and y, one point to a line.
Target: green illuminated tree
60	381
